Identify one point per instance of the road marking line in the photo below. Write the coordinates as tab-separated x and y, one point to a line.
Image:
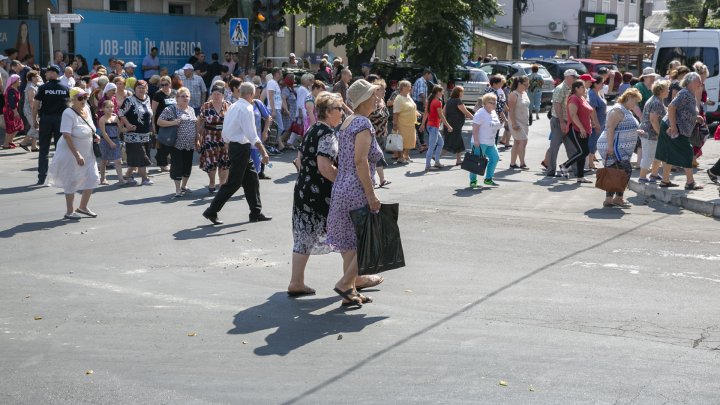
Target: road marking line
134	292
667	253
632	269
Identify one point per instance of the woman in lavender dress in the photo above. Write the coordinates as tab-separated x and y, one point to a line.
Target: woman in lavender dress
353	187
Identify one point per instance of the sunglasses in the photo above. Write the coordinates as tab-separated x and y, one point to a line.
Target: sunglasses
165	84
81	98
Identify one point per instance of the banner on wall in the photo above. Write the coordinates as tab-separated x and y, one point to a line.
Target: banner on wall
23	35
130	37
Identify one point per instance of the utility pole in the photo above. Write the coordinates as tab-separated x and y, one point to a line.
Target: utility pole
517	26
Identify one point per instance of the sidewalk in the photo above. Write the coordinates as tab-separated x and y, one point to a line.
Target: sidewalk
706	202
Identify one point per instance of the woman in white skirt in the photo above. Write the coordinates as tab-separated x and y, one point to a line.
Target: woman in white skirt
74	167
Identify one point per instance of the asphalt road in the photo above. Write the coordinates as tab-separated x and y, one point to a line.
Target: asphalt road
529	293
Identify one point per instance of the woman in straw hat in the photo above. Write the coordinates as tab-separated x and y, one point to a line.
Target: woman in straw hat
353	188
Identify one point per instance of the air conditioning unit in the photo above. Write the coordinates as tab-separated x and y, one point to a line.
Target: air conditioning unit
556	26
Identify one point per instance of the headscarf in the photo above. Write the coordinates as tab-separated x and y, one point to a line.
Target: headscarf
109	87
11	80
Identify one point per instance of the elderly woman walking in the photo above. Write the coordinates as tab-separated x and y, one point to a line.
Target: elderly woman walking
214	158
11	111
136	116
182	116
617	142
486	123
379	119
313	189
358	153
405	116
674	148
579	128
33	83
653	113
519	120
73	167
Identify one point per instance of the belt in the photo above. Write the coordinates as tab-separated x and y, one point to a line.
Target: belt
213	127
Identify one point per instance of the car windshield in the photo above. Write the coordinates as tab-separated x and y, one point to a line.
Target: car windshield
541	70
580	68
478	76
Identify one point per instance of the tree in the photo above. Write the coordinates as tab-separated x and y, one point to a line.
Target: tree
366	22
435	32
693	13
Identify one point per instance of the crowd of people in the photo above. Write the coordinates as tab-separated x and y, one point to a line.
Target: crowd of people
336	126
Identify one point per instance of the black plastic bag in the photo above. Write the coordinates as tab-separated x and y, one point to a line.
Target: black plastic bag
378	239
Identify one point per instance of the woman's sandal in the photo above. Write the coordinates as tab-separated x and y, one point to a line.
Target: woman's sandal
384	183
693	186
668	184
350	296
374	280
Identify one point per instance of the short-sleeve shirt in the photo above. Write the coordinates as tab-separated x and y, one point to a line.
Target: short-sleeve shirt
489	125
12	100
674	86
501	100
645	92
419	89
560	96
138	113
302	93
197	87
75	125
405	108
187	131
433	116
653	106
600	105
584	112
685	112
150	61
273	86
163	101
261	112
54	98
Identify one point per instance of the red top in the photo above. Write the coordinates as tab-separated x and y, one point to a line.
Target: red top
584	112
433	116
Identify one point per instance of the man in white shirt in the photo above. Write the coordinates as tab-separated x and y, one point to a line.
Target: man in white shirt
274	98
67	79
239	134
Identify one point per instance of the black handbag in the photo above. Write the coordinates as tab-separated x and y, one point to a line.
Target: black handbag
168	135
474	163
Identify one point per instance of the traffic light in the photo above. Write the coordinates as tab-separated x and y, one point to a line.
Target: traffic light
276	15
260	15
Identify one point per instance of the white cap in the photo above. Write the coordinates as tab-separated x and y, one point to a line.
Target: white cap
571	72
188	67
3	57
130	65
648	71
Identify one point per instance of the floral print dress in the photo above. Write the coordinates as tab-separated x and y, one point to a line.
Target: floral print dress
311	202
347	192
212	151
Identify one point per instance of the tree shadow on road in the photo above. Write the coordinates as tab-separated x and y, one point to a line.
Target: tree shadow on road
34	227
605	213
468	191
19	189
295	322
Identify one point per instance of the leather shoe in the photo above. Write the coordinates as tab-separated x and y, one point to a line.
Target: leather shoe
260	218
212	218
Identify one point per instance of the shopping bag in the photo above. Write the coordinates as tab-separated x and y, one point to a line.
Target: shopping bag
611	179
378	239
474	163
394	143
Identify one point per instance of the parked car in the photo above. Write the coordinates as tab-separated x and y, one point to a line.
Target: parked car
392	70
511	69
473	80
593	65
557	67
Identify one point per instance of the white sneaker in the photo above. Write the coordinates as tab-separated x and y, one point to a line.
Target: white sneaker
147	182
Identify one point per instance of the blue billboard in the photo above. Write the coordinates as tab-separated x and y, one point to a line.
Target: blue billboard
128	36
23	35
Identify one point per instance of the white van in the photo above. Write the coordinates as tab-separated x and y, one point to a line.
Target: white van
689	46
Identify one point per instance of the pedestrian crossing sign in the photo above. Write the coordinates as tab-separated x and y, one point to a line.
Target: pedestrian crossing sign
239	31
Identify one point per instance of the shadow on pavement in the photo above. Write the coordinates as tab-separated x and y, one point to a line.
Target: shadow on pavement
605	213
34	227
207	231
468	192
560	187
295	322
289	178
19	189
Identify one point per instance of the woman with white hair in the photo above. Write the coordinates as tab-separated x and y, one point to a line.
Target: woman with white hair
74	167
673	148
353	188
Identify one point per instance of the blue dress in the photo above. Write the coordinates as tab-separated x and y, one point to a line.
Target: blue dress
347	192
106	152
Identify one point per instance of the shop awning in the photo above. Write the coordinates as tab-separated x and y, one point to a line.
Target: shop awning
538	53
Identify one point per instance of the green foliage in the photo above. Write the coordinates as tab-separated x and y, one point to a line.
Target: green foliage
435	34
693	13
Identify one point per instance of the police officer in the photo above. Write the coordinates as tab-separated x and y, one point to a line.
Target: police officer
50	101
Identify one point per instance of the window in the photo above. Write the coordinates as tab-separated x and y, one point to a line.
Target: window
176	9
119	5
687	56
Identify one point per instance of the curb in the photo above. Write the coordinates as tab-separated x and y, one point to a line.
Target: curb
677	198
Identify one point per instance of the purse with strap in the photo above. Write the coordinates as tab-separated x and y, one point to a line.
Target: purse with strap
96	146
168	135
474	163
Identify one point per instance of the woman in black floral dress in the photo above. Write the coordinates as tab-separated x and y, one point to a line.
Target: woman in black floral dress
313	188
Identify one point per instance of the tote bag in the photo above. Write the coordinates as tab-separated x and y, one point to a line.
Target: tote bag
394	143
